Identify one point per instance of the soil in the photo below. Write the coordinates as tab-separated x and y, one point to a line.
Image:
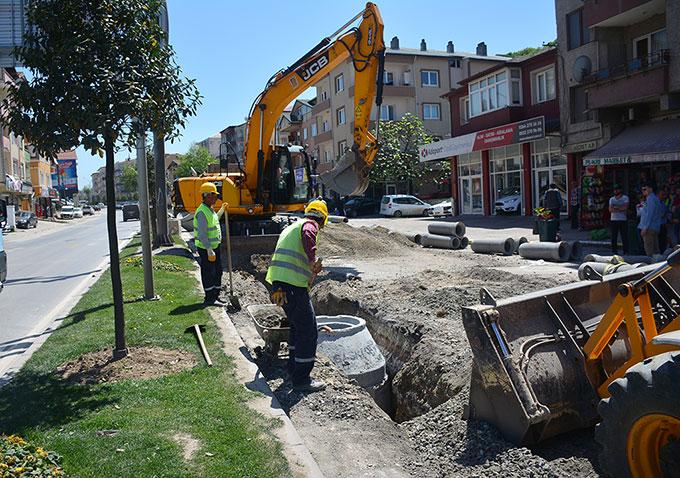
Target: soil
141	363
411	299
273	321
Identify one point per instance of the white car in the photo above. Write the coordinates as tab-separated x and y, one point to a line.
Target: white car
77	212
397	205
509	202
441	210
67	212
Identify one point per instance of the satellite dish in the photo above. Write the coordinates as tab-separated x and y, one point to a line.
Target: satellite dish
582	68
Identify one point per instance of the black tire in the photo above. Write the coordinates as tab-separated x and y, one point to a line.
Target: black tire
649	387
398	214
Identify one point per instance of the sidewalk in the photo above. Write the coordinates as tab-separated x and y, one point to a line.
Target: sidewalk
44	228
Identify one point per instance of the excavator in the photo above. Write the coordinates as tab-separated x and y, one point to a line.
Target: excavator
605	351
280	179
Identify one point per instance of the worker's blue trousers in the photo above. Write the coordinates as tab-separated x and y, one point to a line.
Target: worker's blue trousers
303	332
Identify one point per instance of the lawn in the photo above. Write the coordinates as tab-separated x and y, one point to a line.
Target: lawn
140	417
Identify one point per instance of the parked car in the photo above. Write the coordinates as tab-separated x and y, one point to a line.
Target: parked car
130	211
101	205
26	219
361	206
441	210
509	201
397	205
67	212
3	262
88	210
96	207
77	212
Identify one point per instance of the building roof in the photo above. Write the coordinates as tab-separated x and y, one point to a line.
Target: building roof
67	155
443	54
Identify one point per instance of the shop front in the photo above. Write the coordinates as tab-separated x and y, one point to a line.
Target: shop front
471	200
549	166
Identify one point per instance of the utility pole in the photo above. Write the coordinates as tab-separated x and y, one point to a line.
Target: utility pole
144	218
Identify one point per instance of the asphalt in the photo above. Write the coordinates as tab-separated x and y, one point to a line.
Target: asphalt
46	274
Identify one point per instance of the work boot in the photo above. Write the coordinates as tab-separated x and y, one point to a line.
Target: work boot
311	386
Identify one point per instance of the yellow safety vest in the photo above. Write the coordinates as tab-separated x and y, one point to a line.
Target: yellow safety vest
289	262
214	232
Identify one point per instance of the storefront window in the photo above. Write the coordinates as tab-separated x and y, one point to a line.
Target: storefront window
506	179
470	183
549	166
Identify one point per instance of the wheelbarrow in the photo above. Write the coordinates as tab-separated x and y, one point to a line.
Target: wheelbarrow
263	316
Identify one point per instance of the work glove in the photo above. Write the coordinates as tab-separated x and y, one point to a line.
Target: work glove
211	255
279	297
317	266
220	213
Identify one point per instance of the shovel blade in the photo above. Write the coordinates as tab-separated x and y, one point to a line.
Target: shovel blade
349	177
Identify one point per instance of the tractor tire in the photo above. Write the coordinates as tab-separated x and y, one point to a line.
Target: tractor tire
640	428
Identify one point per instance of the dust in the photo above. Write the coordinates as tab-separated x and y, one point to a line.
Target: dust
141	363
189	444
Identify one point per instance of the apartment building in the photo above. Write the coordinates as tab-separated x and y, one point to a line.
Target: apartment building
99	184
41	178
212	144
415	81
620	104
99	180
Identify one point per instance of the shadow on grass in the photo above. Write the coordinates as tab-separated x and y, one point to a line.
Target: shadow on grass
187	309
176	251
33	400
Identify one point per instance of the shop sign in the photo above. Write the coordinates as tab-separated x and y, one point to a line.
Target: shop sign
607	161
513	133
581	147
637	158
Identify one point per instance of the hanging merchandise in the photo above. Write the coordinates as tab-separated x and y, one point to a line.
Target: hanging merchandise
593	198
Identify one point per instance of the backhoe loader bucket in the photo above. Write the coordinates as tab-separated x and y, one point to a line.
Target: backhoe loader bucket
528	376
350	175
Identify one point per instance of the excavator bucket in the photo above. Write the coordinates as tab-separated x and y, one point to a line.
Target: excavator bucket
350	175
528	373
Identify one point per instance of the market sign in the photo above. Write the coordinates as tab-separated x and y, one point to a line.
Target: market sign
635	158
513	133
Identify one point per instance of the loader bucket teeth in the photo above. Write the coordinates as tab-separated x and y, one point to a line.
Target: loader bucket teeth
349	177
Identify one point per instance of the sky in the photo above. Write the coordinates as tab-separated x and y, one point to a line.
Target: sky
232	48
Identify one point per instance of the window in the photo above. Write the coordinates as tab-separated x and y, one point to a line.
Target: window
314	129
324	95
489	94
516	86
429	78
387	112
304	133
388	79
327	156
579	105
464	110
454	63
431	111
340	116
577	33
342	147
339	83
543	85
325	126
650	44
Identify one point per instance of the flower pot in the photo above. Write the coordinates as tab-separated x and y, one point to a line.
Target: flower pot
547	230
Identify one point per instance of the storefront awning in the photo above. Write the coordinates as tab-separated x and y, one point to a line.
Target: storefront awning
648	143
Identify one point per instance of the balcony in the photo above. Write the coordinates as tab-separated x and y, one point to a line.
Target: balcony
323	137
620	13
392	90
631	82
321	107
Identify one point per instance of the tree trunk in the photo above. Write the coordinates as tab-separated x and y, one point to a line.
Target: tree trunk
120	350
161	196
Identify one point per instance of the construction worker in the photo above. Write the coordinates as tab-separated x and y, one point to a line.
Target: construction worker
208	237
291	273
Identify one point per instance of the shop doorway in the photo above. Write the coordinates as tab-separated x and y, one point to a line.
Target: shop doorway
470	183
549	166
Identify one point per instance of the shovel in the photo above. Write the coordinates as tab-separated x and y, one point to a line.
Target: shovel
233	300
196	329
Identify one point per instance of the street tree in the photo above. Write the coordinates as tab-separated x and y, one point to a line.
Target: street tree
128	179
398	158
101	73
197	158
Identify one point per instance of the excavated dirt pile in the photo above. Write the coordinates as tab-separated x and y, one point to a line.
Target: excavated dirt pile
411	299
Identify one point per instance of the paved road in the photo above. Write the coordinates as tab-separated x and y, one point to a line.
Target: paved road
46	271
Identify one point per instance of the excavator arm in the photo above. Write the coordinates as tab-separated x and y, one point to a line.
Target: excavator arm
365	47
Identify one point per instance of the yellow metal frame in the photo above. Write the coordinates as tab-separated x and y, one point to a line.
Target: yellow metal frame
622	310
647	436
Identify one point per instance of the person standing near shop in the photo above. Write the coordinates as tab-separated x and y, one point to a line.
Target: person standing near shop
618	211
665	199
575	204
552	200
650	220
208	237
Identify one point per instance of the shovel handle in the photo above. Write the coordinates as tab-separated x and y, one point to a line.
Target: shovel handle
204	351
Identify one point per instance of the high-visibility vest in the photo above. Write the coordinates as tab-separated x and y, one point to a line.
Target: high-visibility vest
290	263
214	232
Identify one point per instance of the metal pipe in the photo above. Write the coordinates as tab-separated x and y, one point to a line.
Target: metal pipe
551	251
440	242
447	228
494	246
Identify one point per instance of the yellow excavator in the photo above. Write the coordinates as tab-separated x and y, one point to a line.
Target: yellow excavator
273	179
604	351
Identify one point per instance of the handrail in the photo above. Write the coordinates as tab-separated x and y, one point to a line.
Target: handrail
631	66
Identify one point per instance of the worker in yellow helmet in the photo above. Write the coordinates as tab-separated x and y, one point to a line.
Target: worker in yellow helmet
293	268
208	237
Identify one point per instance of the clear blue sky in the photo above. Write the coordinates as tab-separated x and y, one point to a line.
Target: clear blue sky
232	48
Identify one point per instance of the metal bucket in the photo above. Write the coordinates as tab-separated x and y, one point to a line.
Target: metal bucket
350	175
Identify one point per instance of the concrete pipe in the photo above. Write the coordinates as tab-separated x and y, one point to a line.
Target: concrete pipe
576	251
604	269
337	219
414	238
616	259
440	242
455	242
550	251
447	228
493	246
519	241
464	242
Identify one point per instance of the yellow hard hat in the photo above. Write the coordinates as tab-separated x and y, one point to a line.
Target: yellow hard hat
317	208
208	188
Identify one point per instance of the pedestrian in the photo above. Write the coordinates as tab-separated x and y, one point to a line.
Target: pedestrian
664	198
675	216
575	204
293	269
618	210
208	238
650	220
552	200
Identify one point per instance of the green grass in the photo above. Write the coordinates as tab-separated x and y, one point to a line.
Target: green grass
206	403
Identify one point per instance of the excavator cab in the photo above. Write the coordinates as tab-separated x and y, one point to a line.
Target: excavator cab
291	172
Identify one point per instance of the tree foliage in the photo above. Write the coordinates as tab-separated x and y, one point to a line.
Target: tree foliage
128	179
398	158
198	158
530	50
